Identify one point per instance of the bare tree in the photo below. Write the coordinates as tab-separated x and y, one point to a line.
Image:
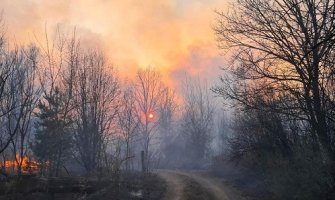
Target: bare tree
26	96
96	99
148	94
128	122
167	126
89	91
20	93
223	132
285	47
197	121
8	102
18	97
10	65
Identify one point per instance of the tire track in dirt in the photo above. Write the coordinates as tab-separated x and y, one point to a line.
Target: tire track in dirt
175	185
183	185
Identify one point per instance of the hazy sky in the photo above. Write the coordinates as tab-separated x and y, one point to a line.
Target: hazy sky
174	36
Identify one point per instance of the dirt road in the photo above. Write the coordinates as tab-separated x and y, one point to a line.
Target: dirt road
195	186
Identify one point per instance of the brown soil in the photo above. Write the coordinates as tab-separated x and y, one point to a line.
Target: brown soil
196	186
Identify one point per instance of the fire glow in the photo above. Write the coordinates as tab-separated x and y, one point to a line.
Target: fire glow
28	166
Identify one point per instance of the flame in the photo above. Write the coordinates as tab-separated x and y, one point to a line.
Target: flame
28	166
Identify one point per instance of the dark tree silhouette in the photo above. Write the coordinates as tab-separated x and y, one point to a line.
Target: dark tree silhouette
287	48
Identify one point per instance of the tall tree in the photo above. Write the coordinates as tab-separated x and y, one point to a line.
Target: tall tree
167	126
53	138
26	97
11	80
148	92
197	122
285	47
128	122
96	98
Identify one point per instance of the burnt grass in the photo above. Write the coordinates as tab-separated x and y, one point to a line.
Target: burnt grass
133	187
130	186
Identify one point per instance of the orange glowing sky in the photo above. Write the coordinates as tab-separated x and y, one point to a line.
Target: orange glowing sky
173	36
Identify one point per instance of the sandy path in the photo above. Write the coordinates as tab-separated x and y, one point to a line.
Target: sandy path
177	181
175	185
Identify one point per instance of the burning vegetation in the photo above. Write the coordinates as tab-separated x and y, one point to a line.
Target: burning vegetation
25	165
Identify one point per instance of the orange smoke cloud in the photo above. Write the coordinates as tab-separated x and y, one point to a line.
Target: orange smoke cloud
173	36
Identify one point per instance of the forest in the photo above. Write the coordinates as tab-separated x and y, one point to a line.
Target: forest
73	127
